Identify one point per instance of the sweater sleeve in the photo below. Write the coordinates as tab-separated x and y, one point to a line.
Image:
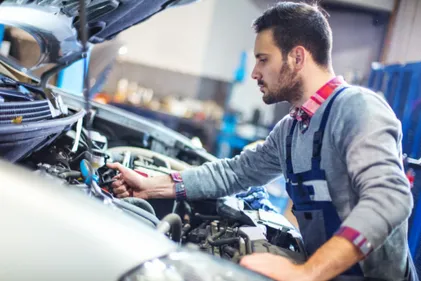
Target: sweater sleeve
230	176
368	136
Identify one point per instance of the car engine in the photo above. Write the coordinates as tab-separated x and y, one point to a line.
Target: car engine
225	227
73	150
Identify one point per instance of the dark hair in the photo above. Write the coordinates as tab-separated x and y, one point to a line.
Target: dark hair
296	24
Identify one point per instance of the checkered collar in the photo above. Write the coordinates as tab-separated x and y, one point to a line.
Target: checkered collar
307	110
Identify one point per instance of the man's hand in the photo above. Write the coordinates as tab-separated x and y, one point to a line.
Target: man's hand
331	260
130	184
127	181
275	267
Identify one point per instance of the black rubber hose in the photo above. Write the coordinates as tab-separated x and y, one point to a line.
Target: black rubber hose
233	253
224	241
206	217
211	239
215	241
141	203
246	240
230	250
171	223
136	210
77	158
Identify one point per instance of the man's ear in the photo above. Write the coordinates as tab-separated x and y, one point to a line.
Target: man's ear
298	55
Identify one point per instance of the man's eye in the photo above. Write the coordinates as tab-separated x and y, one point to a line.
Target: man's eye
263	60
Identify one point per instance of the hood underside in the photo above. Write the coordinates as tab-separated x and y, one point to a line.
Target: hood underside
54	23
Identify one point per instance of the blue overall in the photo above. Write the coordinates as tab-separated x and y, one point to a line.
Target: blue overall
313	207
316	215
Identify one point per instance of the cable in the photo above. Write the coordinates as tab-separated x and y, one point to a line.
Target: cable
248	204
78	132
79	156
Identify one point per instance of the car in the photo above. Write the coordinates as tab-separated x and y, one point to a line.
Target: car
58	233
61	219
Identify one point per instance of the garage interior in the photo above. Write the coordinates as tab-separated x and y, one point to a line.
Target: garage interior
188	68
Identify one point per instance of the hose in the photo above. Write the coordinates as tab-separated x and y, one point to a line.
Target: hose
246	240
211	239
70	174
215	241
223	241
136	210
141	203
233	253
171	222
207	218
85	154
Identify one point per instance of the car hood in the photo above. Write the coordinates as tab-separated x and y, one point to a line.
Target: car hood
54	23
54	232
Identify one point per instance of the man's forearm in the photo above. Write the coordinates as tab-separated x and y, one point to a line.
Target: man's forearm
157	187
333	258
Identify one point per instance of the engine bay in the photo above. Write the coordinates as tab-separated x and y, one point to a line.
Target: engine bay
72	148
224	227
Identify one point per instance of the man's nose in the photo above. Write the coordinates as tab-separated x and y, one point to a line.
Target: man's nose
255	74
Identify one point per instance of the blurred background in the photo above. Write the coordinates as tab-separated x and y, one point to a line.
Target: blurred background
190	67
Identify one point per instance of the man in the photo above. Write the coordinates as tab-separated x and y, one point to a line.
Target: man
340	151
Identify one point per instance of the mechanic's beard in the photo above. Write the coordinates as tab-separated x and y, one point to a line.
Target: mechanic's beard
289	88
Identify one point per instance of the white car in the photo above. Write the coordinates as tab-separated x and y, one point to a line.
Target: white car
51	232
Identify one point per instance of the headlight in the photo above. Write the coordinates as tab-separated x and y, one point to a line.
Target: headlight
190	266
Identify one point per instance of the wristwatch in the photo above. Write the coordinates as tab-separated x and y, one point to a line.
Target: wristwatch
180	189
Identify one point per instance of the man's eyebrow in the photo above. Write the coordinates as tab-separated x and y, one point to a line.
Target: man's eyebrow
259	55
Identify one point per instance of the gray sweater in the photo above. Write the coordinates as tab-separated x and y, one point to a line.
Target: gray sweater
362	158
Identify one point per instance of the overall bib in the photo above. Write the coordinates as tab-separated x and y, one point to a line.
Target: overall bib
316	215
313	207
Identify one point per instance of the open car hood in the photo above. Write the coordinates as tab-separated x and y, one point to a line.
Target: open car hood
54	23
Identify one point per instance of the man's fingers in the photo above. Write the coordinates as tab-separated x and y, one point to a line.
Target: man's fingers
116	166
121	189
117	183
123	195
246	261
117	177
251	260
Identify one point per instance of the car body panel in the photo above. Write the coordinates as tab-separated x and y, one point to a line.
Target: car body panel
55	232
